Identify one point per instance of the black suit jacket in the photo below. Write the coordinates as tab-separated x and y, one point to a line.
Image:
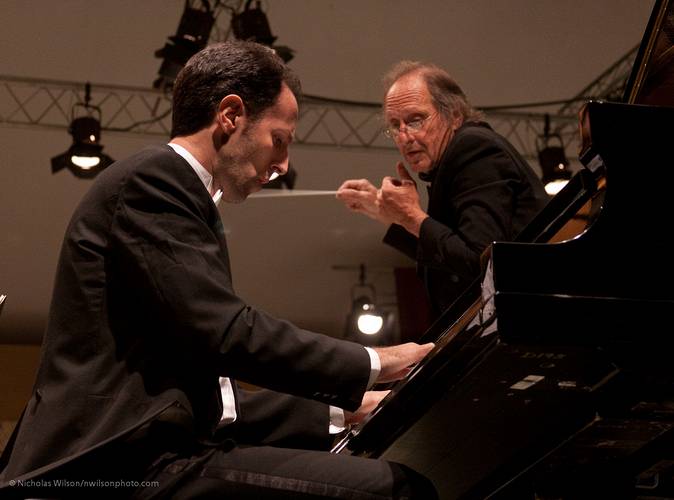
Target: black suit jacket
481	191
144	318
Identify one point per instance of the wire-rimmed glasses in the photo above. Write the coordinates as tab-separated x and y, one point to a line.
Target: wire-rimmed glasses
410	127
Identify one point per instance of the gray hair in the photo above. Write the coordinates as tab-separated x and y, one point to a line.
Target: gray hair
446	94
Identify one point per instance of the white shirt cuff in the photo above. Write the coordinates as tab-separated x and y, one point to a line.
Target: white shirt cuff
375	366
337	423
228	402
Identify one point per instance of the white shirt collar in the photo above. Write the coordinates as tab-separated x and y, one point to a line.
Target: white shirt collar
200	170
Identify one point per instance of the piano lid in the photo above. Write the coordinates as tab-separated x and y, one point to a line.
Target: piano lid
652	78
612	282
605	294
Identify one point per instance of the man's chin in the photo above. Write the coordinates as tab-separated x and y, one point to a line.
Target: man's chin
250	189
235	195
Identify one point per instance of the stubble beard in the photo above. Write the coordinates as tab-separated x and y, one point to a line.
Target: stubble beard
235	185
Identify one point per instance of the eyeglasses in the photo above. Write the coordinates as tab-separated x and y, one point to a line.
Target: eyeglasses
413	126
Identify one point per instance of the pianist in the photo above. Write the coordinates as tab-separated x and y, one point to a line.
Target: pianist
480	189
144	321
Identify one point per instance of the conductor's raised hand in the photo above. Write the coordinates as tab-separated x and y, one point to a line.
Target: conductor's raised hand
360	195
398	201
397	361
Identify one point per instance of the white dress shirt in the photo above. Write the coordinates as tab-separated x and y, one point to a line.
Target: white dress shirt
337	423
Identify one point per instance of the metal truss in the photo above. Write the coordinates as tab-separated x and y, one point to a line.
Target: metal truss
26	102
610	85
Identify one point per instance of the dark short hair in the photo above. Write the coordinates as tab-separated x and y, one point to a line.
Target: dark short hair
250	70
446	94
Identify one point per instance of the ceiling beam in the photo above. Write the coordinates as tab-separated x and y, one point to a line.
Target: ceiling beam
347	125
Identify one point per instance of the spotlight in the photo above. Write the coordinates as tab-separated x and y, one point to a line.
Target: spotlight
553	161
252	24
282	181
555	167
368	320
366	323
85	158
193	32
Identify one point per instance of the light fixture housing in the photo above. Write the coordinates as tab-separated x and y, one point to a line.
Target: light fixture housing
367	319
85	157
192	35
366	322
252	24
555	168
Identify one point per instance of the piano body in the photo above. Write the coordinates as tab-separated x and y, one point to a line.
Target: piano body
560	382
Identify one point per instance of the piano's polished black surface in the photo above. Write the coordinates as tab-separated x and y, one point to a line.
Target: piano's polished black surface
559	381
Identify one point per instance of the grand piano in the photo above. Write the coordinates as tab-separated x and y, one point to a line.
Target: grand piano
558	380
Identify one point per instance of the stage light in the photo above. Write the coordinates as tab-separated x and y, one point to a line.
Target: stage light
553	161
193	32
368	320
252	24
555	168
367	323
85	157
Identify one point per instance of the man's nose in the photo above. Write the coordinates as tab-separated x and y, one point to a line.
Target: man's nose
407	137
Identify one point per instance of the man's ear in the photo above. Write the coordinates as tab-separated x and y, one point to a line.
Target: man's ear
230	110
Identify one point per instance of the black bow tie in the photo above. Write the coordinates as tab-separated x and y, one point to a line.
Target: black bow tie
428	176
